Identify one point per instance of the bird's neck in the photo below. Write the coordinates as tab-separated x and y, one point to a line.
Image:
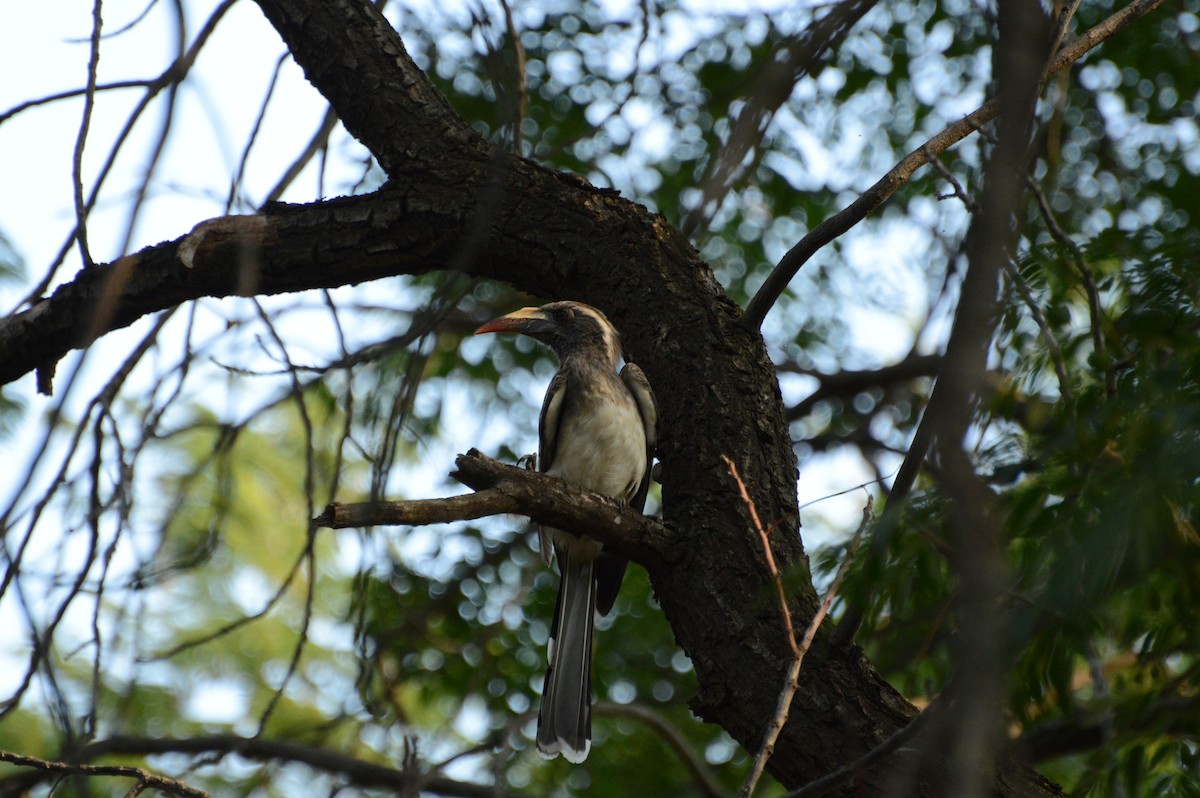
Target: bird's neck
588	358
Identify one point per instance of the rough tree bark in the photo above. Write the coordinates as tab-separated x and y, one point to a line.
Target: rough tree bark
453	201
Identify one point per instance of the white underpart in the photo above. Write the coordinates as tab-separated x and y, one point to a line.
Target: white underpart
601	448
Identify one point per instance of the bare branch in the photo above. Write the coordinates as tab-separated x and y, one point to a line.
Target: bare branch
143	777
71	93
777	282
520	106
173	74
507	489
417	512
89	102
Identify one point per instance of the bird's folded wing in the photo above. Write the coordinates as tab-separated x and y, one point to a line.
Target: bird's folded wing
639	387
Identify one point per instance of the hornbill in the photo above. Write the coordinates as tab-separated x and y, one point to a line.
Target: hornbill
596	431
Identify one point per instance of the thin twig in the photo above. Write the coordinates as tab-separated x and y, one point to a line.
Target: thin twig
71	93
318	142
354	771
868	514
174	73
1095	310
792	682
702	775
521	106
1023	289
785	612
805	54
1065	14
1039	318
309	555
831	781
155	151
143	777
235	185
793	679
902	486
89	102
958	191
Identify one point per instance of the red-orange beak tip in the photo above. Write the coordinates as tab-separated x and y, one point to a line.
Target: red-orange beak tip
495	325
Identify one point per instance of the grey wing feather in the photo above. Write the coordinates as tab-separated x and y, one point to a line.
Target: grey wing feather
548	424
639	387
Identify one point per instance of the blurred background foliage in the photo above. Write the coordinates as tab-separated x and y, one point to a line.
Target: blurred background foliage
208	603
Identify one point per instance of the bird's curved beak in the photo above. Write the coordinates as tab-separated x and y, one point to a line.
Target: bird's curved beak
526	320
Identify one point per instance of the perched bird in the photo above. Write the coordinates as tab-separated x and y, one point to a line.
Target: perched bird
597	431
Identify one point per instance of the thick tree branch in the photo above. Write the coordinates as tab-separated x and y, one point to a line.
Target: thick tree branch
351	240
777	282
507	489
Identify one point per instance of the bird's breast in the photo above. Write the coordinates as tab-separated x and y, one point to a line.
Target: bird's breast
602	446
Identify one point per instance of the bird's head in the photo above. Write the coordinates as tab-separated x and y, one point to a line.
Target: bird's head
569	328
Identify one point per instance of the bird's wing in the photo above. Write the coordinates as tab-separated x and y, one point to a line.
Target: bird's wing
548	426
639	387
550	420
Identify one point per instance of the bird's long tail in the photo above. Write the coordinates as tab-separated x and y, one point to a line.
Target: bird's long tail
565	719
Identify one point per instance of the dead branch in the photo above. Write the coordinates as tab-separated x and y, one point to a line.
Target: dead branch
145	779
504	489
